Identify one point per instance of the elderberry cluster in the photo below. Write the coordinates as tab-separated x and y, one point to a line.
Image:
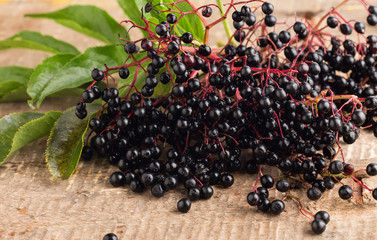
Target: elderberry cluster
288	97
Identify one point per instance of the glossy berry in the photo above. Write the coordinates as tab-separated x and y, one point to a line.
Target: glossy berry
267	8
171	18
206	192
204	50
282	185
184	205
323	216
97	74
267	181
336	167
345	192
314	193
117	179
187	37
157	190
253	199
110	236
332	22
277	207
318	226
226	180
372	169
374	193
207	11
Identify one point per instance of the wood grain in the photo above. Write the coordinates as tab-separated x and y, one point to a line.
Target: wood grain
35	206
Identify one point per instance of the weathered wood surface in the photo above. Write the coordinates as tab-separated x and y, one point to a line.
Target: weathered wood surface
35	206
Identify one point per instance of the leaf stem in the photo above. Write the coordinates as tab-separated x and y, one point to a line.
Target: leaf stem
225	22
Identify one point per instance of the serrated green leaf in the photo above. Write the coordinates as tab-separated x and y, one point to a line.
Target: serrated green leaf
37	41
89	20
33	130
13	77
65	142
133	10
8	128
44	73
78	71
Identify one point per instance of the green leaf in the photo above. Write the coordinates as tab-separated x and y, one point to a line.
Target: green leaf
37	41
65	143
33	130
44	73
9	126
89	20
132	8
189	23
13	77
78	71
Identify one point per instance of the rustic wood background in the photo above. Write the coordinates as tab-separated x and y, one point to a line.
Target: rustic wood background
35	206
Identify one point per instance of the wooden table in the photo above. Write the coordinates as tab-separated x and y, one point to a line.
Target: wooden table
35	206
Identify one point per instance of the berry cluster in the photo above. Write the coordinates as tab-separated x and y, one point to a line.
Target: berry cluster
288	96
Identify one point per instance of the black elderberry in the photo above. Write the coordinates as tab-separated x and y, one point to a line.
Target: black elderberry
207	11
314	193
226	180
267	181
187	37
171	18
372	19
184	205
323	216
332	22
345	28
97	74
87	153
88	96
270	20
161	29
253	199
318	226
206	192
374	193
277	207
157	190
264	205
117	179
267	8
345	192
110	236
371	169
282	185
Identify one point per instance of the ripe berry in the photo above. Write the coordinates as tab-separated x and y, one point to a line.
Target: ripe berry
372	19
184	205
161	29
336	167
359	27
117	179
299	27
277	207
206	192
267	181
345	192
226	180
267	8
146	44
97	74
86	153
171	18
314	193
88	96
204	50
372	169
374	193
282	185
157	190
270	20
130	48
207	11
110	236
323	216
253	199
332	22
318	226
345	28
187	37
